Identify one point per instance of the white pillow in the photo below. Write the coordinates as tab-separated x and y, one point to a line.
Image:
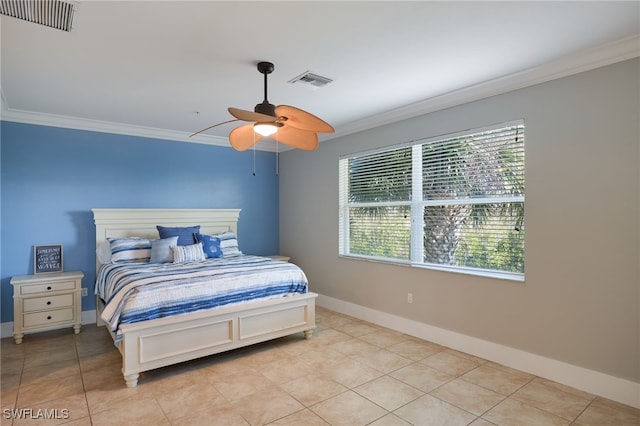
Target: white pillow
190	253
103	252
161	250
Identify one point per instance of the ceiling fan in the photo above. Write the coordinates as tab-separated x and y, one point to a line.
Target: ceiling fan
286	124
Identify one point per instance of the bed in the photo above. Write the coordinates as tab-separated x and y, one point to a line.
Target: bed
146	344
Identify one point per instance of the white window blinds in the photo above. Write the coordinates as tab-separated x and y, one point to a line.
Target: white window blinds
455	202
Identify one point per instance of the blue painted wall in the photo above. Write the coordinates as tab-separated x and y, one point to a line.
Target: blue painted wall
53	177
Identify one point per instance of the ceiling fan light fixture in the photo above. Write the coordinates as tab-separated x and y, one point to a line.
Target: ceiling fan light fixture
295	127
265	129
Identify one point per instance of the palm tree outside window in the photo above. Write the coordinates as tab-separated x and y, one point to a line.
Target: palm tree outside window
453	203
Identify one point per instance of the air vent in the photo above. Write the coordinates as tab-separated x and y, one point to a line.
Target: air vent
51	13
312	79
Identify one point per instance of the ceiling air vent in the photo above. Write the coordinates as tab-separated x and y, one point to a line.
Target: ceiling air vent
51	13
311	79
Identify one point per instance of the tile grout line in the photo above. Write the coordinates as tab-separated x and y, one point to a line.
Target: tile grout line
82	378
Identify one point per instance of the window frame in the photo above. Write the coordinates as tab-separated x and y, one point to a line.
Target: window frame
417	205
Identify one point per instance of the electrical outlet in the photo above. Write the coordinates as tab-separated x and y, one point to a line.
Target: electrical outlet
409	297
85	291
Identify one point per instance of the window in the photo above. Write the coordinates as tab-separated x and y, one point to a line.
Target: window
453	202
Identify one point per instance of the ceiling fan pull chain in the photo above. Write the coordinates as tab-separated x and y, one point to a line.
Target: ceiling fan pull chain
277	156
254	154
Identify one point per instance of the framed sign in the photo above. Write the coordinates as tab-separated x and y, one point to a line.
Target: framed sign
47	258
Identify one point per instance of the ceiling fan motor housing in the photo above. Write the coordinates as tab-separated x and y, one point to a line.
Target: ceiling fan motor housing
266	108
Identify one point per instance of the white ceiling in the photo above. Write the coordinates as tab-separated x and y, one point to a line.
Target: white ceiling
170	68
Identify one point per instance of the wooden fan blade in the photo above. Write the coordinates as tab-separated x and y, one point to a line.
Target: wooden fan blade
296	138
243	137
211	127
245	115
303	120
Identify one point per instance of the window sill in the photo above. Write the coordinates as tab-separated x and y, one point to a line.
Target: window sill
509	276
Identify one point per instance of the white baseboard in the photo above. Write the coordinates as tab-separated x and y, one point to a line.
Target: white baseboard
89	317
594	382
6	328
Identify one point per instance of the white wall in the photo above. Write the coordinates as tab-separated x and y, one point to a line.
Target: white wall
580	302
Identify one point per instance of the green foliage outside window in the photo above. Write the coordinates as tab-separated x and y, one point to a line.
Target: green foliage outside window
471	205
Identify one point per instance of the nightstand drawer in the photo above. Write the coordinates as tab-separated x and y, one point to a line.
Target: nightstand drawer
51	317
49	302
47	287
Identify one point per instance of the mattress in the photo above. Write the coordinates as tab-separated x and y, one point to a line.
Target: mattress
135	292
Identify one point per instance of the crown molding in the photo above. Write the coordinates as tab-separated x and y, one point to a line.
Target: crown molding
586	60
42	119
53	120
578	62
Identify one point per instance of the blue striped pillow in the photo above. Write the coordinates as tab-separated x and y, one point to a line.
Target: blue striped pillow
229	244
132	249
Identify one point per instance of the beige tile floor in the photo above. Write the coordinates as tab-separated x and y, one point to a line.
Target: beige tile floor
350	373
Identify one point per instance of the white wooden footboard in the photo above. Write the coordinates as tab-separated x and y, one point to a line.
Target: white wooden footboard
165	341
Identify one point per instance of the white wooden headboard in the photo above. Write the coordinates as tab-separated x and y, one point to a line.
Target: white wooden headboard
119	223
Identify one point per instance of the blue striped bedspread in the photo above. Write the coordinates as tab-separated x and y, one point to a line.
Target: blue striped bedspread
135	292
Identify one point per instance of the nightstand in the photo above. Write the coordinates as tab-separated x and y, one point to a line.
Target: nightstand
279	257
45	302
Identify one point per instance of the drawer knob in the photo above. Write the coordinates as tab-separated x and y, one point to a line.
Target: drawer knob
49	288
49	317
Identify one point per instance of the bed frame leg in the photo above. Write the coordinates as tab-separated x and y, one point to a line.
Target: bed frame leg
308	334
131	380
